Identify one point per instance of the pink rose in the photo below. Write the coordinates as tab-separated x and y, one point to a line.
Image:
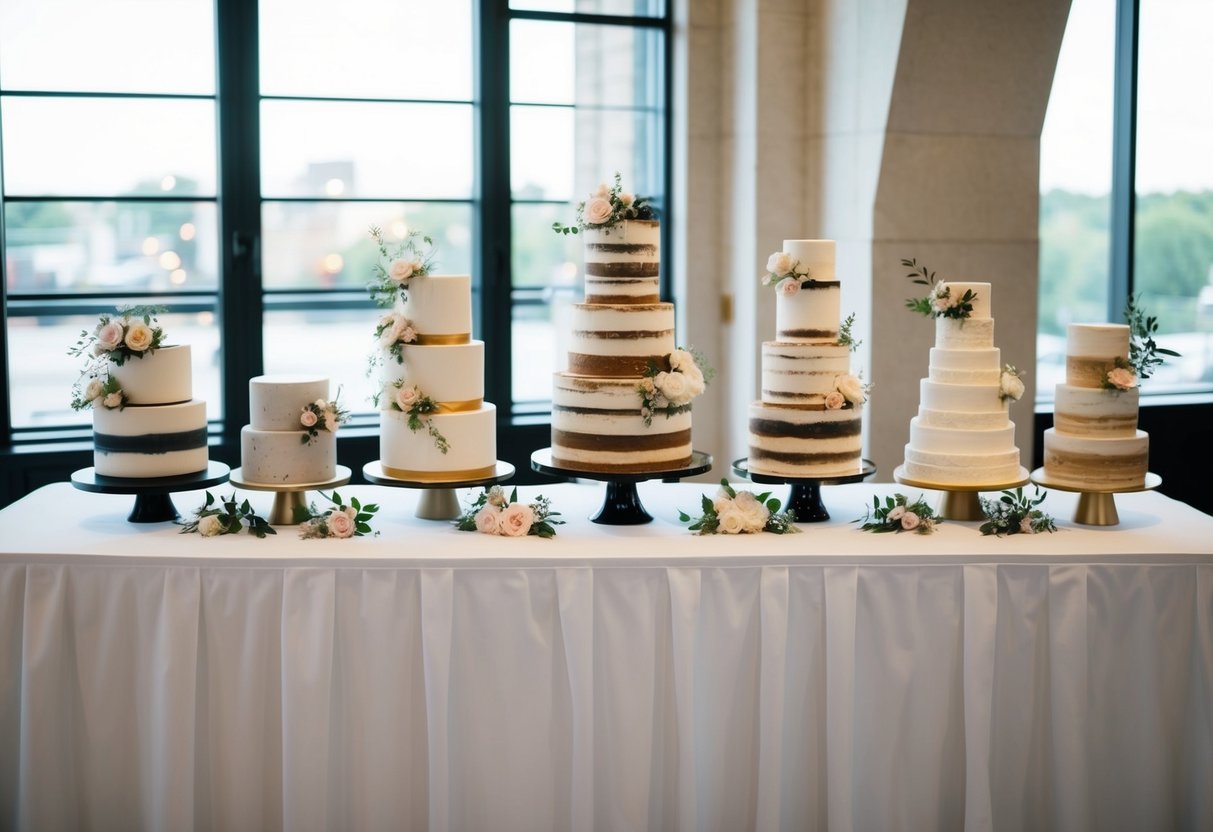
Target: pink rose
340	524
1025	525
788	287
909	521
408	335
488	520
400	270
1122	378
834	400
307	419
407	396
597	211
109	336
896	513
516	520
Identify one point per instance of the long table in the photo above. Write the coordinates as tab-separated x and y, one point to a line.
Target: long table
612	678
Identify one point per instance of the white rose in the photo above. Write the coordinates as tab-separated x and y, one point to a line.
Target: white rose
400	270
834	400
407	396
648	387
680	360
330	421
788	287
695	386
895	513
408	335
674	387
1010	386
488	520
723	501
731	521
753	512
113	400
910	521
851	389
780	263
517	519
339	524
350	512
387	330
597	211
941	298
210	525
94	390
307	419
627	199
496	497
139	336
321	403
109	336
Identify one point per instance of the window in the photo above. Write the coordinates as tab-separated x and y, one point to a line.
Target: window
233	170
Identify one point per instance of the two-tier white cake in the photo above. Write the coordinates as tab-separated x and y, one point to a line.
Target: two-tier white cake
275	448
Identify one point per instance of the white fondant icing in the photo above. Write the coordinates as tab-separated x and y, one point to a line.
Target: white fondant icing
472	436
162	377
440	304
281	457
277	401
445	373
810	314
815	255
150	421
1103	341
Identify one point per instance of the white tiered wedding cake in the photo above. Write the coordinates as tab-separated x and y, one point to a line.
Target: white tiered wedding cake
293	435
809	420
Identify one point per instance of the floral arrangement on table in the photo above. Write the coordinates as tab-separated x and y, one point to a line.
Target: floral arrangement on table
398	263
670	391
740	512
493	513
1010	383
898	514
216	517
1144	352
408	398
1015	513
845	338
322	415
608	206
849	392
939	301
783	272
98	392
341	520
132	333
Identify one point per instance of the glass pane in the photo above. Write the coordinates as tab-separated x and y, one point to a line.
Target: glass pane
108	146
1173	268
541	257
70	247
108	46
348	336
327	244
342	149
541	152
587	65
371	49
536	354
42	390
1075	184
630	8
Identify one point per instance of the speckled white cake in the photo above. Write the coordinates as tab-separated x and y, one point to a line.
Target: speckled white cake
273	449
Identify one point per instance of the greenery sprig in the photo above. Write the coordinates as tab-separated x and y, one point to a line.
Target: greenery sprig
397	264
322	415
938	302
1015	513
898	514
410	400
225	517
740	512
845	338
97	392
1144	353
607	206
341	521
494	513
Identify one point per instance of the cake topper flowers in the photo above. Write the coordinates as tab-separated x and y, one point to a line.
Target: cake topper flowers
607	206
898	514
740	512
671	391
785	274
941	301
132	333
397	264
322	415
494	513
1010	383
408	399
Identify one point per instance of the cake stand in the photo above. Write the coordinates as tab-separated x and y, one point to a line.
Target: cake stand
289	495
621	505
439	501
804	499
1096	506
152	501
960	502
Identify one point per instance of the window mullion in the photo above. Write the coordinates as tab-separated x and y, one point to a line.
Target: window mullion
1124	158
6	390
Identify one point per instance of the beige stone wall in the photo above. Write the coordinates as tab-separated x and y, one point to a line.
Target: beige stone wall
899	128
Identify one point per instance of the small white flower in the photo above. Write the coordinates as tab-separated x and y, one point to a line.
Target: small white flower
1010	386
780	263
94	390
400	270
210	525
496	497
113	400
330	421
681	360
753	512
851	388
674	387
731	521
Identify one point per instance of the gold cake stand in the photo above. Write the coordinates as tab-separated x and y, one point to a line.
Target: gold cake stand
960	502
288	496
438	500
1096	506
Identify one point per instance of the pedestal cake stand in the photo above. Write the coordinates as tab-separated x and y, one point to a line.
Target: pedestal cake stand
152	501
804	498
621	506
439	501
1096	506
960	501
288	496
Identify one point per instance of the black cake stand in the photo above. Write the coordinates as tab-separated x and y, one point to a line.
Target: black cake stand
804	498
621	505
152	501
439	501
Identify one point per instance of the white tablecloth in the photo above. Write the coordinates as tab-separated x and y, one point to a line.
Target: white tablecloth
614	678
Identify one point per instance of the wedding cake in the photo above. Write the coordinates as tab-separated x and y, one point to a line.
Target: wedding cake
292	438
809	419
1094	442
624	404
146	422
962	435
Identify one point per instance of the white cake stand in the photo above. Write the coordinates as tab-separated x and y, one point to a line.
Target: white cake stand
960	502
1096	506
438	500
288	495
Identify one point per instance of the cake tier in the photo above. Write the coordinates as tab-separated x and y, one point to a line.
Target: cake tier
622	263
981	298
817	256
451	373
961	398
964	333
962	469
1090	462
797	442
597	426
1084	411
412	455
277	401
161	377
620	340
151	440
1092	350
796	373
934	439
281	457
810	314
440	307
979	366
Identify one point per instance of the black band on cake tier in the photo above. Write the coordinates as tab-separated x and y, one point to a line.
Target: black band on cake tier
812	430
150	443
632	270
